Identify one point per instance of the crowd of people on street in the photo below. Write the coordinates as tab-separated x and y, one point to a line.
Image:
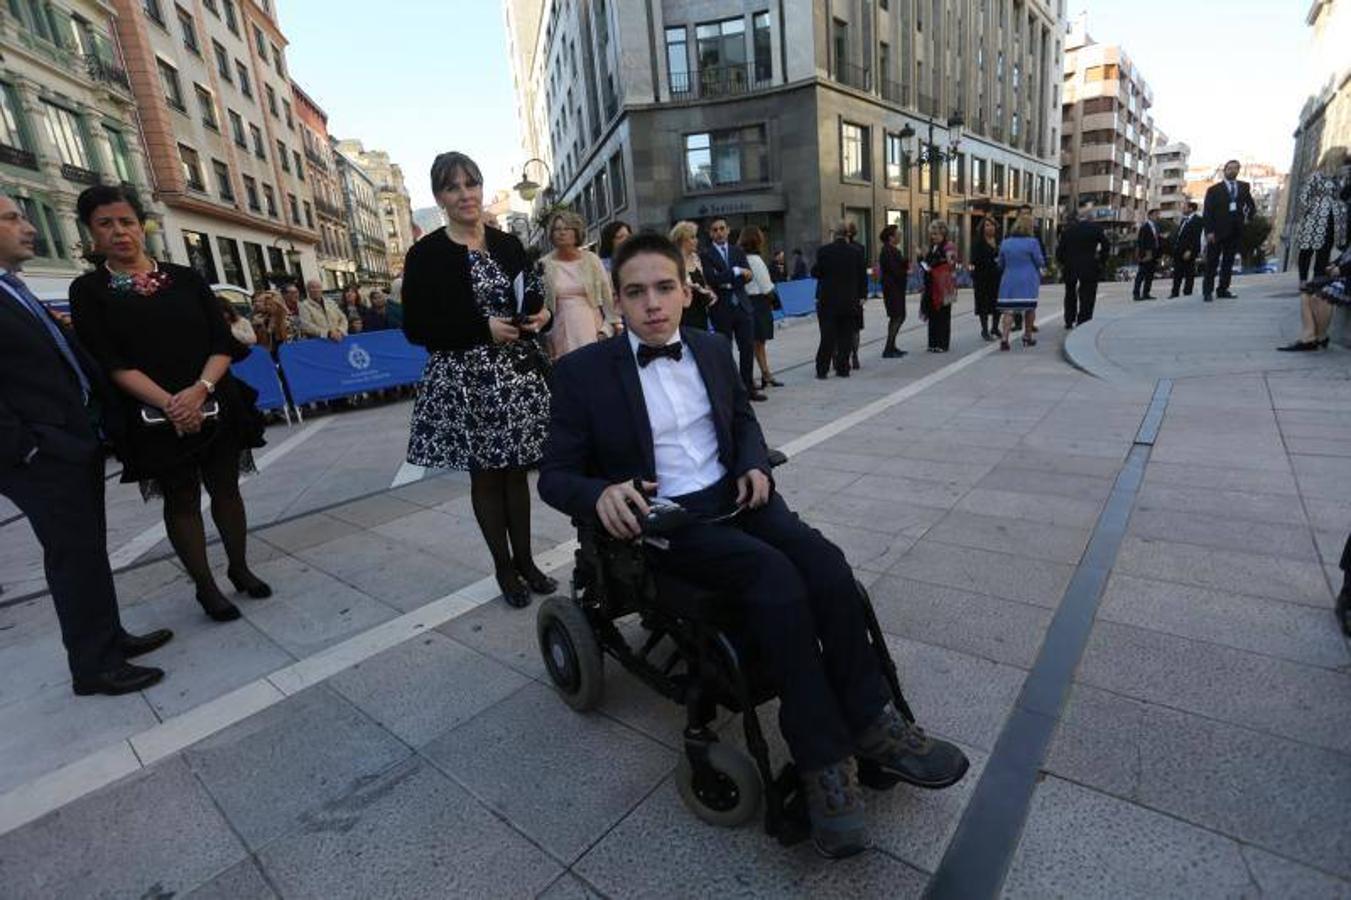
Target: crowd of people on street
280	317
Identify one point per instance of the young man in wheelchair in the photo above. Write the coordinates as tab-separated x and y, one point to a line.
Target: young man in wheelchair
664	409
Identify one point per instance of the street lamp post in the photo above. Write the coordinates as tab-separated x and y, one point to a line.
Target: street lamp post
932	154
527	188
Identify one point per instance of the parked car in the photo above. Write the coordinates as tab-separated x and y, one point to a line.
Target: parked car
240	297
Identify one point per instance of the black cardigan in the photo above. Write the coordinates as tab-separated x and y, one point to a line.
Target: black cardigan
440	311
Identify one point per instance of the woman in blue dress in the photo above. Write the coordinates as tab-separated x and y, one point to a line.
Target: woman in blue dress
1020	262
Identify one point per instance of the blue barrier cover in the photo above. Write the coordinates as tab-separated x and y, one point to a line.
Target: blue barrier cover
259	372
322	370
797	297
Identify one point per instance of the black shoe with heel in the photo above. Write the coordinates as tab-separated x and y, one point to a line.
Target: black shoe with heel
248	583
514	591
215	605
537	581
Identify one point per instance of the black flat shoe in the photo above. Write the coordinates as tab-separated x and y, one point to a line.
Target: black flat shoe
759	396
1226	295
1299	347
1323	344
125	679
217	607
514	591
772	382
251	584
538	582
134	645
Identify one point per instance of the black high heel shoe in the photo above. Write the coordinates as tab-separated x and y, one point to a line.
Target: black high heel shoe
250	584
514	590
537	581
217	607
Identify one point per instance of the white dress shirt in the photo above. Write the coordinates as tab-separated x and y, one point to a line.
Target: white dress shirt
684	440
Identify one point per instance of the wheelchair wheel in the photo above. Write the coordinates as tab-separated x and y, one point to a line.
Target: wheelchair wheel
727	793
571	653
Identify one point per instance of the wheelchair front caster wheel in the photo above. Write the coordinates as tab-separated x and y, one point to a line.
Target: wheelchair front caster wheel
725	791
571	653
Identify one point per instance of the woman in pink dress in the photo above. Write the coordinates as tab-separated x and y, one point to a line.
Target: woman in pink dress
576	288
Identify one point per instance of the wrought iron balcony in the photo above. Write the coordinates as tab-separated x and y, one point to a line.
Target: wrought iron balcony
14	156
106	71
854	76
79	175
328	209
895	92
928	104
719	81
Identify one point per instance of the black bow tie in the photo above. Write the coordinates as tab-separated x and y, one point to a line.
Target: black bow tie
646	354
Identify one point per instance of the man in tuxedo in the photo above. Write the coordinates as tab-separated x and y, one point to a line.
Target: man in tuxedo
1081	252
727	270
660	411
1186	249
841	274
51	468
1228	207
1148	243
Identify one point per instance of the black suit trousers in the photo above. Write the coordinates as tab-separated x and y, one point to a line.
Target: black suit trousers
1184	276
1144	278
839	331
1081	296
735	322
803	619
64	505
940	327
1219	257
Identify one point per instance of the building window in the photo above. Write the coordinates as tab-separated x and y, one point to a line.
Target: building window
277	61
232	267
602	193
208	106
253	254
189	30
617	186
259	149
295	208
245	86
290	120
11	132
722	56
173	91
862	218
957	174
192	167
271	197
200	256
309	215
300	169
259	42
223	183
997	180
152	10
897	164
251	193
231	20
733	156
237	129
979	183
271	101
285	158
764	54
121	154
211	5
222	61
67	133
854	162
276	258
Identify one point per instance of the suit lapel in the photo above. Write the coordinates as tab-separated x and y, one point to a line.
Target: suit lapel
10	302
627	374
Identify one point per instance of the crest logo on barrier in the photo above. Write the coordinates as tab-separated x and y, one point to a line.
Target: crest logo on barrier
358	358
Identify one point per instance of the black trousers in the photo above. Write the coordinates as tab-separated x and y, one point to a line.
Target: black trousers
839	331
1144	278
940	327
803	618
64	505
736	323
1184	276
1081	296
1219	258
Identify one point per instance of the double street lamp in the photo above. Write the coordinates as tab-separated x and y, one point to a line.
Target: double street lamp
932	154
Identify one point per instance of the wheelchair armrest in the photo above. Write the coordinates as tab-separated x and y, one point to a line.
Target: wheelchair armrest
777	458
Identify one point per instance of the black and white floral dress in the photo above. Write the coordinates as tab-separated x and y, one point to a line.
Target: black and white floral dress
485	407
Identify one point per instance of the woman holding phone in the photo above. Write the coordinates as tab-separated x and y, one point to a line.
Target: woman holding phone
157	330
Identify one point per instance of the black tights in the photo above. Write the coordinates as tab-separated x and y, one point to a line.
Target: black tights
894	324
183	517
502	506
985	322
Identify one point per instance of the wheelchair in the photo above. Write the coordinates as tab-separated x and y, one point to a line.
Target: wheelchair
694	655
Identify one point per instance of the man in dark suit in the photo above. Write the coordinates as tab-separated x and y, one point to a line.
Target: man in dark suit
1228	207
660	411
727	270
51	468
1186	249
841	274
1148	244
1081	252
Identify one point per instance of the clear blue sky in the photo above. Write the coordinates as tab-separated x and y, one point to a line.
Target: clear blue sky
416	77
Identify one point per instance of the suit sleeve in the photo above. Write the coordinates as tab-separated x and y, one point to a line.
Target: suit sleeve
564	479
751	450
1208	211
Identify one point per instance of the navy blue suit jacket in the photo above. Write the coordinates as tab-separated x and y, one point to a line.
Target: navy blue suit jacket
599	432
731	288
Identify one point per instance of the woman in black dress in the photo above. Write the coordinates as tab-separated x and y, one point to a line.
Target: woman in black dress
893	265
157	330
685	235
985	275
472	299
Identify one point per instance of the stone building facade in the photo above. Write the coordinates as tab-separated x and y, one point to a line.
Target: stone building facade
1168	178
337	266
366	229
396	208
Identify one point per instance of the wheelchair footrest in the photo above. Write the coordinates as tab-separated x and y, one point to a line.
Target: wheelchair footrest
786	808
